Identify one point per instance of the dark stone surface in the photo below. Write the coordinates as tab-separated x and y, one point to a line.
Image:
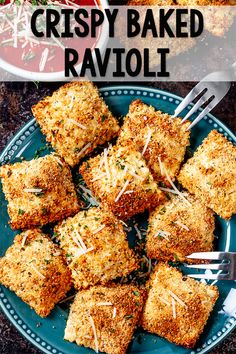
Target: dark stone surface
16	100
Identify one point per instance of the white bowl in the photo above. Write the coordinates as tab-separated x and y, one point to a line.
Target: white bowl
58	75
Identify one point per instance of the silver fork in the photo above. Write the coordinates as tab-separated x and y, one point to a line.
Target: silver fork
226	266
211	89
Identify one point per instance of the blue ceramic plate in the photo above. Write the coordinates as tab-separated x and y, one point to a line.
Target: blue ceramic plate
47	334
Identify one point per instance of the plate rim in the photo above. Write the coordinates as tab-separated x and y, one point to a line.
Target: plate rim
10	144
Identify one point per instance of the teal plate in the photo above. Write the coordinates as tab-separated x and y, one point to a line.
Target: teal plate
47	334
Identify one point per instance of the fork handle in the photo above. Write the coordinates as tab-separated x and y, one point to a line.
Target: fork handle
234	68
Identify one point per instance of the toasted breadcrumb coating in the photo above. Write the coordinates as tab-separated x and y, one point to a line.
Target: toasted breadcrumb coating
211	174
35	269
122	181
106	254
158	136
75	120
104	318
38	191
177	307
176	230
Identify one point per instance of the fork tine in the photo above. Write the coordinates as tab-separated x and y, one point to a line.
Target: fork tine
209	266
208	255
188	99
197	105
206	110
209	276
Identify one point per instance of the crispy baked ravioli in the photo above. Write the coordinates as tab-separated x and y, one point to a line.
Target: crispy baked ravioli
211	174
177	307
177	228
120	178
39	191
35	269
96	247
75	120
104	318
161	139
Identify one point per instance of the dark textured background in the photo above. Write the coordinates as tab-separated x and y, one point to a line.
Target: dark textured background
16	100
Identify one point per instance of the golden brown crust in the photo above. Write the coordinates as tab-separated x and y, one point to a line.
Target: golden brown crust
75	120
114	333
35	269
110	256
195	302
210	174
55	200
168	141
186	229
124	171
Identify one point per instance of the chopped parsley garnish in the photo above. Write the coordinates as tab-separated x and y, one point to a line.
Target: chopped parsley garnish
127	317
104	117
136	293
21	212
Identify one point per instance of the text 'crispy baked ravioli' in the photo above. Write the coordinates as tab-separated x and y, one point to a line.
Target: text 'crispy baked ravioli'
38	191
96	247
104	318
75	120
177	229
35	269
120	178
177	307
211	174
161	139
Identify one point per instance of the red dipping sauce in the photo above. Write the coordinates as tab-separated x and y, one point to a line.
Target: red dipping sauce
37	55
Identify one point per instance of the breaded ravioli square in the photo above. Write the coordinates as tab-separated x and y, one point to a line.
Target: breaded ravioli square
104	318
120	178
177	307
211	174
75	120
38	191
161	139
178	228
96	247
35	269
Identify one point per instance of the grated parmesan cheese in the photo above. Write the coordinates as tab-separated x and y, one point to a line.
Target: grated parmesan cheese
149	135
80	240
105	304
174	296
122	191
58	160
164	301
177	222
77	123
174	187
98	229
161	167
43	59
94	332
98	177
37	271
67	299
123	223
172	191
24	240
114	312
33	190
84	149
138	232
163	234
129	192
173	308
